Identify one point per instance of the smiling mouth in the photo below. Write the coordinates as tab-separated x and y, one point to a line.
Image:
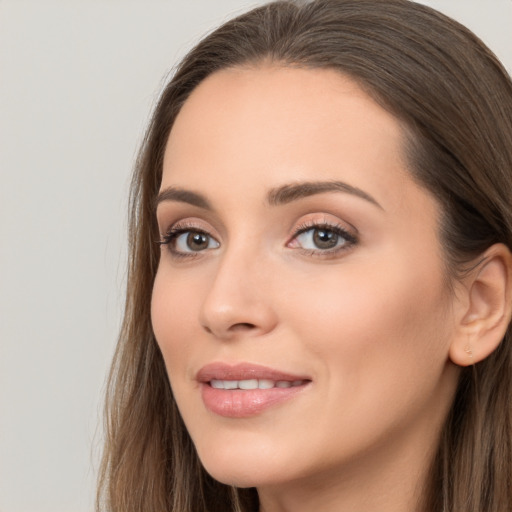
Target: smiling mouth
249	384
246	390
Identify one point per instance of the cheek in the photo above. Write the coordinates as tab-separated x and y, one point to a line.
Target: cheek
173	320
386	325
379	344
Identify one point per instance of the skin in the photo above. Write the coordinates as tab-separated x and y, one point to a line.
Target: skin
371	325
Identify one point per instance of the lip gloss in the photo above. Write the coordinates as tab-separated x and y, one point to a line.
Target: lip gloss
245	389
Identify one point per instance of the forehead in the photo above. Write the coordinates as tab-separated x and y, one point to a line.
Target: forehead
257	128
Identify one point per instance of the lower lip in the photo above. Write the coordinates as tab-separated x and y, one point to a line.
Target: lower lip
237	403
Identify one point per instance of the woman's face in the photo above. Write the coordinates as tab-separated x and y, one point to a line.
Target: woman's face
303	260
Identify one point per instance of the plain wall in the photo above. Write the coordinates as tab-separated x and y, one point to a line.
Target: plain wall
77	81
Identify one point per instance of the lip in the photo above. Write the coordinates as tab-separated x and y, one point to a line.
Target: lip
238	403
241	371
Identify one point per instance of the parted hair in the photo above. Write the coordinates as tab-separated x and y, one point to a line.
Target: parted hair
454	100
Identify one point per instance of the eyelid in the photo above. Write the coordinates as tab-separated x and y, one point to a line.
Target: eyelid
324	220
336	227
307	223
180	227
175	232
189	223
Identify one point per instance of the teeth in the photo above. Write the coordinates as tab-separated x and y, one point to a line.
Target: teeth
230	384
265	384
248	384
254	384
217	384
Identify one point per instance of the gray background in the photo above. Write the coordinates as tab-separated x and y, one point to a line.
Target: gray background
77	81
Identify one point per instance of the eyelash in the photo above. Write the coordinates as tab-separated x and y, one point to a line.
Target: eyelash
174	232
177	230
337	229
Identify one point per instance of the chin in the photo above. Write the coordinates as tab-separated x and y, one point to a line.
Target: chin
242	477
236	480
242	468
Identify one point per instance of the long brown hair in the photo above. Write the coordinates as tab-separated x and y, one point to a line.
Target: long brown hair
454	99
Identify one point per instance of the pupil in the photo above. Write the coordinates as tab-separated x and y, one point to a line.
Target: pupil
325	239
197	241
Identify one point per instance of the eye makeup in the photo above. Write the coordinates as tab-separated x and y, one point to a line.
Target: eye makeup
196	241
315	238
325	239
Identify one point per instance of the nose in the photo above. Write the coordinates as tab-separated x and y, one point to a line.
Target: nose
239	301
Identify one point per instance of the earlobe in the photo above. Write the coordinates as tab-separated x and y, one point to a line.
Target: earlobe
488	309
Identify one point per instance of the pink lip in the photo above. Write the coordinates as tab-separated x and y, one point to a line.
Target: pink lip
241	371
236	403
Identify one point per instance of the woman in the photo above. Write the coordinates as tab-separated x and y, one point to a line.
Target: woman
321	270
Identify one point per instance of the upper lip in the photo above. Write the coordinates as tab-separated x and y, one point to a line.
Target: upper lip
244	371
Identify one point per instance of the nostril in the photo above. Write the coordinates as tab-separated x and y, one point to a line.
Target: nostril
235	328
243	326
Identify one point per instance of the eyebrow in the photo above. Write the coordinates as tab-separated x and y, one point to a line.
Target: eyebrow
278	196
183	196
288	193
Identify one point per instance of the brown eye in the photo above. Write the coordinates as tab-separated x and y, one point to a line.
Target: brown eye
192	241
325	239
197	241
188	242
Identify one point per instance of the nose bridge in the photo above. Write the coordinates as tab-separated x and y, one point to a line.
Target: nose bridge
239	298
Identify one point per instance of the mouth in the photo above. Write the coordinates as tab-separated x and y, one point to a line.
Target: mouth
246	390
254	384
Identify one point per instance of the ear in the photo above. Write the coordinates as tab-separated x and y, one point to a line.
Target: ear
487	309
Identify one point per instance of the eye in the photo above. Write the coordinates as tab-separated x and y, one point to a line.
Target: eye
184	241
194	241
322	239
